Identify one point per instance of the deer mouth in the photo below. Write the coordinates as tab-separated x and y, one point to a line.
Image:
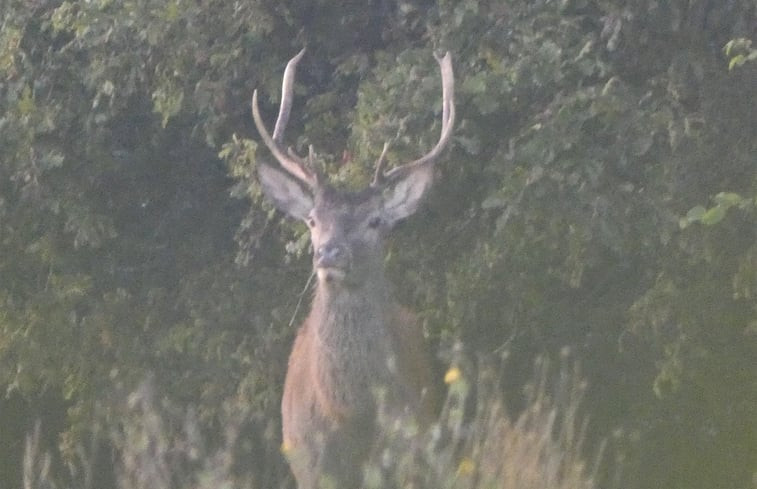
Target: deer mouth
332	266
333	263
331	273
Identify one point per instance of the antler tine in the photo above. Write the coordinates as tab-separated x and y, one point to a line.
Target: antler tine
314	168
287	85
288	160
448	117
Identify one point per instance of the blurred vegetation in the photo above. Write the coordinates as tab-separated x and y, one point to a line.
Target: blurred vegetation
600	195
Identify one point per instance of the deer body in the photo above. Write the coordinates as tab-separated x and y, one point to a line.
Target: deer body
337	362
358	350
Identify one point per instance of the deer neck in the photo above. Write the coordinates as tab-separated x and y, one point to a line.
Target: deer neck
356	350
352	312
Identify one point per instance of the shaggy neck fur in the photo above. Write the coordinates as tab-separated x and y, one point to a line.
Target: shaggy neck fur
357	352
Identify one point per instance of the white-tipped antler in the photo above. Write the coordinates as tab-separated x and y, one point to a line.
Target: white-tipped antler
304	169
298	167
448	122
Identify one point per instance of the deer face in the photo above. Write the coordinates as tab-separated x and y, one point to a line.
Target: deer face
347	229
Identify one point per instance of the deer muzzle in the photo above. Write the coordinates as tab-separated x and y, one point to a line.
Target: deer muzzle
332	255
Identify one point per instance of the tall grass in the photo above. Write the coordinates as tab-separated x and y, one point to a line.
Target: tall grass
476	444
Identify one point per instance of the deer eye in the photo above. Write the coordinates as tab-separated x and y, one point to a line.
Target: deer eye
310	221
374	222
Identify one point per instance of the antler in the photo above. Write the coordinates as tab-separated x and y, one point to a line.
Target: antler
292	163
448	122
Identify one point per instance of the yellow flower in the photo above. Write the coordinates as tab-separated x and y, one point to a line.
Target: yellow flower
466	467
286	447
452	375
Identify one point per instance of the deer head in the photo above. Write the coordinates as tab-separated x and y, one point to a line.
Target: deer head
347	228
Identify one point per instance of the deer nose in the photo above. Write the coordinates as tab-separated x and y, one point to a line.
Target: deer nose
330	255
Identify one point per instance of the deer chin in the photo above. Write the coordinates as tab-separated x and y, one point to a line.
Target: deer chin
331	274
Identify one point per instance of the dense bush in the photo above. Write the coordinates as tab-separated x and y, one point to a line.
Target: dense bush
600	194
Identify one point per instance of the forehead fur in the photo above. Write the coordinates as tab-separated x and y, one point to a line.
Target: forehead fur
331	198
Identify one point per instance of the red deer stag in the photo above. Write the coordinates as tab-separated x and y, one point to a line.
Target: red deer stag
357	340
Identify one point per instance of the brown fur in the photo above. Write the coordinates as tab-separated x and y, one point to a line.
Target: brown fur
335	368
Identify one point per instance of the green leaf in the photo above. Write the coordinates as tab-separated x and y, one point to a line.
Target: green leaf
167	101
695	213
713	215
729	199
26	104
737	60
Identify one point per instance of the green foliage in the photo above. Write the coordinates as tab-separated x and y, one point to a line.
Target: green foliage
600	194
739	51
724	201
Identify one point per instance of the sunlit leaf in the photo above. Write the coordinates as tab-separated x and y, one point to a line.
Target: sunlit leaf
713	215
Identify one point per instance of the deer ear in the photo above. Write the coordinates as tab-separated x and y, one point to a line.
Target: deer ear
285	191
405	189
